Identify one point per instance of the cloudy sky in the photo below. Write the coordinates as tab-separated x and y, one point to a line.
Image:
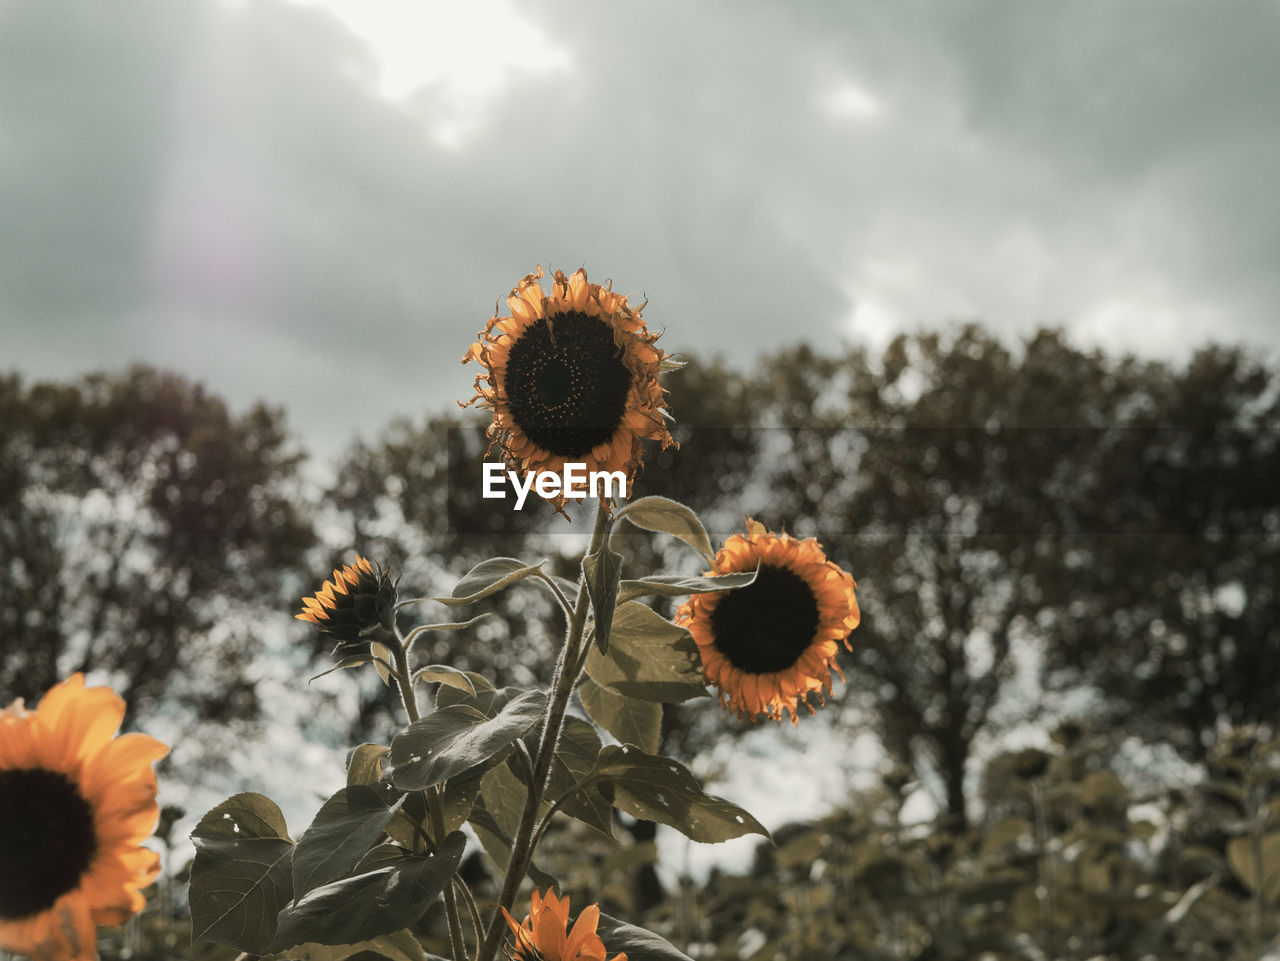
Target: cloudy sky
319	203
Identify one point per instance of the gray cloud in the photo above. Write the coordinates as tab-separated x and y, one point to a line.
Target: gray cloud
222	189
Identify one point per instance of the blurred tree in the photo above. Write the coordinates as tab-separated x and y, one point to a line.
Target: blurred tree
136	513
1113	515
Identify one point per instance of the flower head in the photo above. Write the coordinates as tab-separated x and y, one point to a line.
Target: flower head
76	803
768	645
571	377
544	935
360	599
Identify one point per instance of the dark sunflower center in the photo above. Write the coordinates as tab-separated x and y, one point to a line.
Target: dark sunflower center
766	626
566	383
47	840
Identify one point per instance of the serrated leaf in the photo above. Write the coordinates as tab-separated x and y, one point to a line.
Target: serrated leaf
399	946
370	904
455	739
241	875
650	659
637	943
365	765
671	585
655	788
670	517
344	828
488	577
1260	878
629	720
602	571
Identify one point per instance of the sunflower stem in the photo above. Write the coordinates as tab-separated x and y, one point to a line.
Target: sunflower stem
562	683
435	803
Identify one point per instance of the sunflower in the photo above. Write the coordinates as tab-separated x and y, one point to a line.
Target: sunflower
76	803
543	937
768	645
570	378
360	598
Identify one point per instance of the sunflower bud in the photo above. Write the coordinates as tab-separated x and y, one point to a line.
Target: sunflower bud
359	600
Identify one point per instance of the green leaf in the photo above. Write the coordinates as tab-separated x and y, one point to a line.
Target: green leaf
671	585
460	793
421	629
576	754
486	700
1265	883
629	720
344	829
455	739
411	822
450	676
602	571
497	844
377	902
506	788
351	660
365	765
650	659
400	946
637	943
504	797
670	517
655	788
488	577
242	873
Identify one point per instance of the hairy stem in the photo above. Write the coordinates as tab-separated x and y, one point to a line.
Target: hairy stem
435	803
562	683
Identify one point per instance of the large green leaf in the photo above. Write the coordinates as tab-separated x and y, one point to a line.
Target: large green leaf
488	577
345	827
650	658
656	788
602	570
241	875
629	720
399	946
671	585
376	902
637	943
455	739
669	517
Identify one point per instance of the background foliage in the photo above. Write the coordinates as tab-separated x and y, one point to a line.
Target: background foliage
1067	564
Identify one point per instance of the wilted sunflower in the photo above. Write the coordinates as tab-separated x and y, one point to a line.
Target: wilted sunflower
360	598
76	803
570	378
544	935
768	645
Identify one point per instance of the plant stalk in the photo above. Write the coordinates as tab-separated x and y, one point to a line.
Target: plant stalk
435	802
562	685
